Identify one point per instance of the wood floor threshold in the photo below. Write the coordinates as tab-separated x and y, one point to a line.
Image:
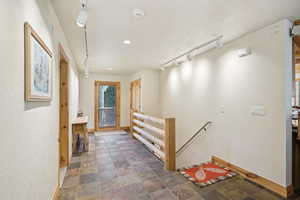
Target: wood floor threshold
123	128
274	187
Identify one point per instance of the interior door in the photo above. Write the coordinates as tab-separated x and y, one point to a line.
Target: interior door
107	108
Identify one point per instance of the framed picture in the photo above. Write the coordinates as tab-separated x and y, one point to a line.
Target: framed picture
38	67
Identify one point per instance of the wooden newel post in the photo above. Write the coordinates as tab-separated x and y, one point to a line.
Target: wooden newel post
170	143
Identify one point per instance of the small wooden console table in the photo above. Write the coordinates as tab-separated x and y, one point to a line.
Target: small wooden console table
80	132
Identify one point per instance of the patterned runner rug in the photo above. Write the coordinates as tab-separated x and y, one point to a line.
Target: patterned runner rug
206	173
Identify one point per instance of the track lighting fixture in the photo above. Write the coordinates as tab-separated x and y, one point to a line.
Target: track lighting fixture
179	59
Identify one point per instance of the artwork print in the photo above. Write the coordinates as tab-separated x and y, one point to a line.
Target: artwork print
40	70
38	67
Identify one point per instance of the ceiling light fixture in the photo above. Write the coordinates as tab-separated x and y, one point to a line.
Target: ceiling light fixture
127	42
109	69
83	15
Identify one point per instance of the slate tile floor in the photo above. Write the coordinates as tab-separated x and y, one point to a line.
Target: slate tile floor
120	168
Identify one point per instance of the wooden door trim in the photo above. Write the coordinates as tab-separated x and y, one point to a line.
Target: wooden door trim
63	62
118	105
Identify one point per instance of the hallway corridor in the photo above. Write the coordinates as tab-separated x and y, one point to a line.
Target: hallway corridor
120	168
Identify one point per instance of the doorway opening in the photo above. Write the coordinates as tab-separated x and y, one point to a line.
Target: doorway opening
107	105
63	139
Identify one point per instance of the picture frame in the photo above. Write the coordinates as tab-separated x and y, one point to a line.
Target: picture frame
38	67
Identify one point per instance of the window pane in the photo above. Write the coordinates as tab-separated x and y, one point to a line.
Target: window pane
107	109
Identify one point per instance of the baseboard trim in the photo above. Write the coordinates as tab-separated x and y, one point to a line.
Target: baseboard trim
55	195
274	187
125	128
91	131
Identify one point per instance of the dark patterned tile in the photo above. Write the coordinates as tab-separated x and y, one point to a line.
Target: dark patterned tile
67	194
163	194
146	175
74	165
163	172
88	178
106	175
153	184
173	180
70	181
265	194
88	191
121	164
184	191
214	195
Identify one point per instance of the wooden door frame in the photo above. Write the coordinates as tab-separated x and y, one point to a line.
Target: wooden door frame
118	105
63	62
138	81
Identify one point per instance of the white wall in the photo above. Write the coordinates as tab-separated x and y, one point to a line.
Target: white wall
195	93
150	83
87	96
29	139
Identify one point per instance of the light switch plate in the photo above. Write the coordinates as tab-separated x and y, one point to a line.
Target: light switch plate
258	111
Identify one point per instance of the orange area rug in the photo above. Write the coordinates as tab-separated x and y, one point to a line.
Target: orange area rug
206	173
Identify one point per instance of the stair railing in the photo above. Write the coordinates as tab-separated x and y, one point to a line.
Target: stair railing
203	128
160	140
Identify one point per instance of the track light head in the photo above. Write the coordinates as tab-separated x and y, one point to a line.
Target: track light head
219	43
82	17
86	72
189	57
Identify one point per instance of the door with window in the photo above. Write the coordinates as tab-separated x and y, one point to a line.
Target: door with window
107	105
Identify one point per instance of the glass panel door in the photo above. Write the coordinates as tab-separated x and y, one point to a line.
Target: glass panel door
107	106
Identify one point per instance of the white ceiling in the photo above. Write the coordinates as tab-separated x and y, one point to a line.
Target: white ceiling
169	28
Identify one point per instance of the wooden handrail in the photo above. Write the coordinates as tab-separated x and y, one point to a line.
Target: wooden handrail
146	117
149	145
194	136
150	127
149	136
139	131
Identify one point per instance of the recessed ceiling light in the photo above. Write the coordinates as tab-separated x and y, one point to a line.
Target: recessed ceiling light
127	42
109	68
